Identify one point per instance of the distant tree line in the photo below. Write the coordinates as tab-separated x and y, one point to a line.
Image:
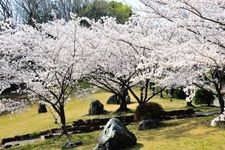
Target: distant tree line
40	11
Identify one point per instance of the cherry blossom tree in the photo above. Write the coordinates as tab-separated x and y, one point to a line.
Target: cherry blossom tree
50	60
131	52
198	30
112	66
7	74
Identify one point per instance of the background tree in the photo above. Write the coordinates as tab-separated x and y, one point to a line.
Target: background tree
100	8
64	8
49	61
112	66
198	34
7	73
6	9
31	11
131	53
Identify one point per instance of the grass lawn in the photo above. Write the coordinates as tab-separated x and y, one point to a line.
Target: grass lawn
182	134
191	133
30	121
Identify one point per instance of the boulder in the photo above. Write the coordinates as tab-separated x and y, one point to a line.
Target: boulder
148	124
115	136
96	108
42	108
114	100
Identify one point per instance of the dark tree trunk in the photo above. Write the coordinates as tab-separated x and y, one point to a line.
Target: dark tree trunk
219	96
218	79
151	86
221	101
161	93
142	94
189	104
153	90
63	120
209	104
122	96
123	106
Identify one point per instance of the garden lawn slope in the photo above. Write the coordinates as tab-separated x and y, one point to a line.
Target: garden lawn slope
30	121
182	134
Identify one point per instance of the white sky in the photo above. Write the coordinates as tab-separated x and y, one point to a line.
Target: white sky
135	4
132	3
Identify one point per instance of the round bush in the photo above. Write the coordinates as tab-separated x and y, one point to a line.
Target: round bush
178	93
203	97
149	111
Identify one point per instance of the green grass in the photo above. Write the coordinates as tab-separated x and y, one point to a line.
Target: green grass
182	134
186	134
30	121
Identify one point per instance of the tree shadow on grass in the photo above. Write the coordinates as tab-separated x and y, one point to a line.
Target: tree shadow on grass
169	124
176	129
136	147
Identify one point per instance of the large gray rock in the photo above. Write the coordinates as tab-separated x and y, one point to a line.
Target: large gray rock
148	124
96	108
115	136
115	100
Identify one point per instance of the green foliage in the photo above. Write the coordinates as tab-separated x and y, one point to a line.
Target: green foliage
177	93
120	11
83	85
100	8
149	110
203	97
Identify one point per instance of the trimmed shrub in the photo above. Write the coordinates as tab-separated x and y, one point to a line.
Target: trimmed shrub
149	111
203	97
178	93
